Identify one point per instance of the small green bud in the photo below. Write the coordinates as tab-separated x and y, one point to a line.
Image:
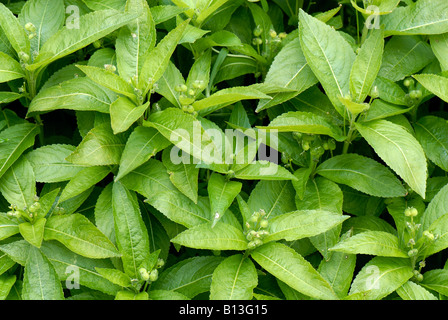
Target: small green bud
191	92
35	207
30	27
257	41
410	212
153	275
199	84
375	92
422	264
262	212
297	135
428	235
408	82
254	217
412	252
248	226
23	56
305	145
285	158
110	67
419	277
282	35
272	33
415	94
257	31
97	44
264	223
251	245
160	263
144	274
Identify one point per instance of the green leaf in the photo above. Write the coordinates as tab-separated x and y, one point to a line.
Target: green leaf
380	277
33	233
399	150
109	80
264	170
166	294
152	181
10	69
436	280
130	231
8	227
40	281
302	175
7	97
221	192
302	224
413	291
80	94
221	237
189	277
103	144
290	267
80	235
166	85
16	139
135	40
6	283
430	132
82	181
142	144
436	209
115	276
404	56
47	16
15	33
434	83
290	70
421	17
123	113
92	26
49	163
157	59
306	122
224	97
329	56
234	279
366	66
18	185
439	45
377	243
130	295
390	92
363	174
183	175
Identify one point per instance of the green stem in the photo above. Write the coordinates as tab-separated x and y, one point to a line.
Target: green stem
32	88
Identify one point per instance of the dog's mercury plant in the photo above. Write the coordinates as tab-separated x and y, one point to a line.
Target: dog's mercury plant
231	150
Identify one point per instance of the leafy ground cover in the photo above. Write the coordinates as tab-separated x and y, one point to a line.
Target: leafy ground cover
180	149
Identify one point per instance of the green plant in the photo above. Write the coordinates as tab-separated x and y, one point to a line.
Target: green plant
223	149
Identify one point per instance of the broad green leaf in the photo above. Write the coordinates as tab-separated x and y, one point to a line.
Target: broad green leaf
234	279
430	131
166	294
183	175
18	185
437	208
130	231
135	40
413	291
302	175
290	70
380	277
221	192
8	227
274	197
377	243
434	83
153	182
33	233
264	170
49	163
354	108
363	174
302	224
98	148
290	267
157	60
123	113
221	237
81	94
306	122
382	7
7	97
47	16
200	71
389	91
404	56
338	270
6	283
142	144
329	56
5	262
15	33
189	277
16	251
366	66
437	280
115	276
10	69
166	85
40	281
224	97
82	181
440	228
439	45
16	139
186	132
92	26
421	17
399	150
381	110
79	235
163	13
108	79
104	217
78	270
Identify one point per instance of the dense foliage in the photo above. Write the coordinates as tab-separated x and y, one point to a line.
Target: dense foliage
223	149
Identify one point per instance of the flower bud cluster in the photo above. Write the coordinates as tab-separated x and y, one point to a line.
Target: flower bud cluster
152	275
256	229
28	214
